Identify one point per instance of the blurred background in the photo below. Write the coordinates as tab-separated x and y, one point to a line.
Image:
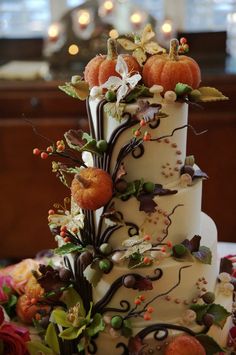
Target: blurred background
44	42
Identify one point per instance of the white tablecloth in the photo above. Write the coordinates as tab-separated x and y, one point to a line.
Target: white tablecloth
226	249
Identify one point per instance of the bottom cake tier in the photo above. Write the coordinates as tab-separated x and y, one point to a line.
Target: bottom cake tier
179	285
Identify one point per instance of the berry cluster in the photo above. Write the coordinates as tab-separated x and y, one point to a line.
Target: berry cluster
146	136
183	47
60	147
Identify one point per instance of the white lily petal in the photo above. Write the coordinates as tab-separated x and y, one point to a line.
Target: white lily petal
133	80
112	83
121	66
121	92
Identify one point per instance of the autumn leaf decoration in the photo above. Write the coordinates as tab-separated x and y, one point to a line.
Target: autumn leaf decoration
77	88
142	45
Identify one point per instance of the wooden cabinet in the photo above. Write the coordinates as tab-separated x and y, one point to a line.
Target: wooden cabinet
29	188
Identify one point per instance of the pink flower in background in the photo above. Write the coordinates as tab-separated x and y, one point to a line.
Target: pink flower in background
5	288
13	337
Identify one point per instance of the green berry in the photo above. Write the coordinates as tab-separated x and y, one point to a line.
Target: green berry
208	297
110	95
149	186
102	145
93	142
105	248
179	250
116	322
195	95
105	265
136	256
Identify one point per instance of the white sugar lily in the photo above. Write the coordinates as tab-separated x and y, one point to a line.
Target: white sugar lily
124	84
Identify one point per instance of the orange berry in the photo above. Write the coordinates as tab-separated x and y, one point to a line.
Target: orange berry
150	309
63	234
146	260
147	136
67	239
63	228
147	316
37	316
183	40
147	237
60	147
142	297
143	123
49	149
36	151
137	133
137	301
163	249
51	212
44	155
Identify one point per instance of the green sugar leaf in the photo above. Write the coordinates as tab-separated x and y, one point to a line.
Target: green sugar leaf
51	338
209	344
220	314
96	326
210	94
59	317
204	255
72	332
36	348
67	249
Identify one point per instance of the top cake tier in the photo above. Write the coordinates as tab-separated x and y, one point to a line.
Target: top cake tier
157	160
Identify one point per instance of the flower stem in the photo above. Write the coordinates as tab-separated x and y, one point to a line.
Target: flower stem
111	49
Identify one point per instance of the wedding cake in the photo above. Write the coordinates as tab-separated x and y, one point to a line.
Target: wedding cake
137	271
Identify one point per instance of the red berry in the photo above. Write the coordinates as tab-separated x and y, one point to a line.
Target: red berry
169	244
146	260
142	297
163	249
67	240
36	151
63	234
150	309
143	123
146	316
58	143
60	147
147	136
63	228
44	155
137	133
49	149
137	301
147	237
183	40
37	316
50	212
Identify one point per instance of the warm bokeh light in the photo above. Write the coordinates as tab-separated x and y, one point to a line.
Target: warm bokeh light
53	31
108	5
166	27
114	33
84	17
73	49
136	18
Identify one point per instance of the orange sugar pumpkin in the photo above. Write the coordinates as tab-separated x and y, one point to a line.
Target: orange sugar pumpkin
185	345
92	188
169	69
100	68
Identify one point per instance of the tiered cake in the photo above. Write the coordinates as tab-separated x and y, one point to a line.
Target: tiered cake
141	273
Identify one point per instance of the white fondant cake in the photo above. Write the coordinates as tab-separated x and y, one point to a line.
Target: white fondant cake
140	272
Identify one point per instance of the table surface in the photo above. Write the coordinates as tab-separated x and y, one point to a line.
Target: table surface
225	249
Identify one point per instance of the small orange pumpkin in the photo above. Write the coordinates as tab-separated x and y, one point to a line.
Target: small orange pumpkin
92	188
100	68
168	70
184	345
